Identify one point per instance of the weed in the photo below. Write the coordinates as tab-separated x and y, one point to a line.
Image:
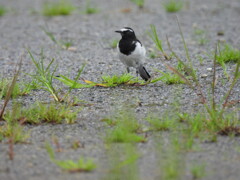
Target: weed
2	10
169	78
172	164
139	3
115	80
114	43
152	54
60	43
61	7
173	5
158	43
198	171
82	165
10	89
20	89
200	36
107	81
215	118
162	123
122	165
89	9
227	54
44	76
125	129
39	112
12	129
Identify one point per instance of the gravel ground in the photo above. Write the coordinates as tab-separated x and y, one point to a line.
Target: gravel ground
20	28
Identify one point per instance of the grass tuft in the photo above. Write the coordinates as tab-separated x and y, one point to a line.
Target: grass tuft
173	5
81	165
139	3
158	43
44	76
61	7
227	54
125	129
89	9
2	10
169	78
40	113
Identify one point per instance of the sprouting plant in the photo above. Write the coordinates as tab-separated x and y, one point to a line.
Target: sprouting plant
114	43
125	129
215	113
107	81
122	165
173	5
139	3
2	10
20	88
198	171
169	78
162	123
158	43
227	54
40	112
61	7
60	43
12	129
81	165
89	9
200	36
10	89
45	76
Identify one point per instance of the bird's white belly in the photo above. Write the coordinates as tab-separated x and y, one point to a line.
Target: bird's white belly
135	58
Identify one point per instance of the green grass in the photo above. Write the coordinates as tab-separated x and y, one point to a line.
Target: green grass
158	43
200	36
122	165
198	171
90	9
61	7
125	129
172	6
20	88
107	81
169	78
2	10
44	75
139	3
12	128
44	113
114	43
227	54
161	123
81	165
61	43
215	117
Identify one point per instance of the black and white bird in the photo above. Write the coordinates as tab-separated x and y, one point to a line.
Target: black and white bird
131	52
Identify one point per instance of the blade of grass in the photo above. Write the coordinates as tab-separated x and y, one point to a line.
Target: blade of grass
11	87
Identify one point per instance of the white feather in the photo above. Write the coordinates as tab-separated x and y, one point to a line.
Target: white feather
135	58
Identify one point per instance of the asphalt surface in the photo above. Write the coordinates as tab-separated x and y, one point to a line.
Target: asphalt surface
91	35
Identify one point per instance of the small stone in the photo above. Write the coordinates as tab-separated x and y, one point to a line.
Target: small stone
209	69
204	75
72	49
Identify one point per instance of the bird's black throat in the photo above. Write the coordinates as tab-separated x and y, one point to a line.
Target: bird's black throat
128	45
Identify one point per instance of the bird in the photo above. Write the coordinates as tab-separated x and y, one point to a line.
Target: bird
131	52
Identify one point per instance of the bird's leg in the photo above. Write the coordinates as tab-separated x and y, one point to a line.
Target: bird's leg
128	70
137	74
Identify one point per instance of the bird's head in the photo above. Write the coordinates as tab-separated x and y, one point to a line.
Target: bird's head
126	32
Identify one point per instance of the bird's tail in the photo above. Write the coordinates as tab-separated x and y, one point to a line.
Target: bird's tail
143	73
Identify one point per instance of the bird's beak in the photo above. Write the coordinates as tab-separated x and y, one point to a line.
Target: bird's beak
118	31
